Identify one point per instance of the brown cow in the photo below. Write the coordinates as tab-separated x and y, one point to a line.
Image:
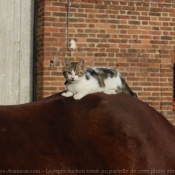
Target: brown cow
99	134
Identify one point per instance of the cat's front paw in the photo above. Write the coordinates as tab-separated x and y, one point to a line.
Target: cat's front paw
109	91
78	96
67	94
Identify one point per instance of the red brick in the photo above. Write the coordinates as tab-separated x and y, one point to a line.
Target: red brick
112	31
124	46
50	8
102	25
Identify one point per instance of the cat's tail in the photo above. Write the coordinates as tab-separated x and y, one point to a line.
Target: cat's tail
126	89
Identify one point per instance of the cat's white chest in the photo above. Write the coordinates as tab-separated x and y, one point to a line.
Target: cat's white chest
76	87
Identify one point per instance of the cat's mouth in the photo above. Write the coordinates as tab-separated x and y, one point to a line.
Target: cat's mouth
73	81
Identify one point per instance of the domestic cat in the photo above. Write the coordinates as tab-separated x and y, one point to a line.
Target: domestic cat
81	82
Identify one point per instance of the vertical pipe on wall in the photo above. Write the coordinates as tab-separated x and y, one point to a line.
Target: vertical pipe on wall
34	52
68	12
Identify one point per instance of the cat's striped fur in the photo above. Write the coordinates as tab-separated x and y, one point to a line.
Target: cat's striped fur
80	81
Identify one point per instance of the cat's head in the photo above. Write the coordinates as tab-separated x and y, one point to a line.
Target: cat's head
73	71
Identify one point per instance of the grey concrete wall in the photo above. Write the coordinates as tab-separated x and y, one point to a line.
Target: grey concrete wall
16	51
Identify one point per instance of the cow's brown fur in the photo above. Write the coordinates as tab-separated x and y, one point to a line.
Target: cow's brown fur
99	132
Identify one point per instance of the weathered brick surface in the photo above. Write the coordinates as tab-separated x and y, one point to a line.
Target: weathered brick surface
136	37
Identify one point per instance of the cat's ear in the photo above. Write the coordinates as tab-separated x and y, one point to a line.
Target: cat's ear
66	62
82	63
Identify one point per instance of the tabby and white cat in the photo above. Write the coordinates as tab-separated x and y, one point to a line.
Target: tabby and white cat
80	81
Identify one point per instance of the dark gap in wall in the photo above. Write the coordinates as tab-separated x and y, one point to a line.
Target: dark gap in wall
174	87
34	98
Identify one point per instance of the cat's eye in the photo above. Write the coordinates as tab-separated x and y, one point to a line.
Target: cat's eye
78	73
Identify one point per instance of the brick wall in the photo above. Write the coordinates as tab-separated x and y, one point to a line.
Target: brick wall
136	37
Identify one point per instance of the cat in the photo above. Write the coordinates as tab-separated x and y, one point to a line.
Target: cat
81	82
